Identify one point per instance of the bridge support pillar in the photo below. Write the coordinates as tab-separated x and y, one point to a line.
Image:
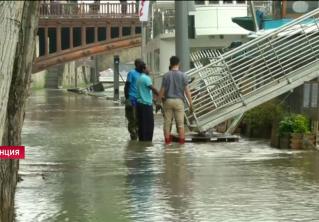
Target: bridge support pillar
116	83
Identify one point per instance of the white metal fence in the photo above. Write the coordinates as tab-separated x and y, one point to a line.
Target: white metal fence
255	72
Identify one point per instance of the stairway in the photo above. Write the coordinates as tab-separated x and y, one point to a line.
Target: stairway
254	73
51	79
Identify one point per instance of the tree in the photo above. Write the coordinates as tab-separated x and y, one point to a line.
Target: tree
17	44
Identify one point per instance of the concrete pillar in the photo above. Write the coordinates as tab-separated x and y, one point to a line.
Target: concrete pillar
71	37
116	83
181	33
96	70
83	36
46	41
58	39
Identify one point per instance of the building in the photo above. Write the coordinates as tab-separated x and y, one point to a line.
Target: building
210	27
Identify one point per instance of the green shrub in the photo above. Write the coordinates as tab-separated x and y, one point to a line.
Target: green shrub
295	123
264	115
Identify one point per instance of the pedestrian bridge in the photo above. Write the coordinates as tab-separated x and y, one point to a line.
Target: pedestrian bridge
71	31
255	72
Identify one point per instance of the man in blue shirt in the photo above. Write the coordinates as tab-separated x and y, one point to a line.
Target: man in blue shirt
131	100
145	105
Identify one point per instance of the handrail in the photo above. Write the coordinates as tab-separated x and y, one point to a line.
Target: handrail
264	63
242	47
57	9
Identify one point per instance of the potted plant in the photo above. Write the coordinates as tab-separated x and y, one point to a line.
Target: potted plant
293	128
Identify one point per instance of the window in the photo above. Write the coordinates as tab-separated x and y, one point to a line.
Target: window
115	32
101	34
228	2
89	35
126	31
240	2
200	2
215	2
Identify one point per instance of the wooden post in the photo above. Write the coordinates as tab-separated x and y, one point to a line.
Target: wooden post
58	39
71	37
121	31
108	32
95	34
46	42
83	36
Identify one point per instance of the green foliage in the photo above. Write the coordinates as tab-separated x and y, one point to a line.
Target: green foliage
264	115
295	123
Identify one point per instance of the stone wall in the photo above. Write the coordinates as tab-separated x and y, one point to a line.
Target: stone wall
126	56
63	76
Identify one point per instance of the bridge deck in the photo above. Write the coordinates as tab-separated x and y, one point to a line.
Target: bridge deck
70	31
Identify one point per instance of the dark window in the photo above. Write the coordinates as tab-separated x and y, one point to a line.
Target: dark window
213	2
126	31
52	40
101	33
200	2
77	36
115	33
65	38
240	2
89	35
228	2
138	30
41	41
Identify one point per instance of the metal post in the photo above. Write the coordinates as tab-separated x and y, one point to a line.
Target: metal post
116	83
75	76
253	12
143	51
96	70
181	34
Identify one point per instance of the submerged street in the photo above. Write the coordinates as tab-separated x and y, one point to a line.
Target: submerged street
81	166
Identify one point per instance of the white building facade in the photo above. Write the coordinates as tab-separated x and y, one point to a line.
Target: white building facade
211	22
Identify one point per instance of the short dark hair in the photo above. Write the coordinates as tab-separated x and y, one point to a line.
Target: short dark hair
138	62
173	61
141	66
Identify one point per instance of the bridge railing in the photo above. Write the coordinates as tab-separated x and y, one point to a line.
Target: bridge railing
74	10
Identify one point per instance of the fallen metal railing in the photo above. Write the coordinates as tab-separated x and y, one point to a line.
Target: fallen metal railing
255	72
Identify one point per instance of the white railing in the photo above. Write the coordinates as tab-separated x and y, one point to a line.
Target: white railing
240	74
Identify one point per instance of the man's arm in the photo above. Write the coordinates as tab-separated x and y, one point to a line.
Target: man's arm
154	90
161	94
189	98
126	89
127	85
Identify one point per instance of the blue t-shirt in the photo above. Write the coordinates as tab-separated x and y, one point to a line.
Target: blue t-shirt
144	93
132	77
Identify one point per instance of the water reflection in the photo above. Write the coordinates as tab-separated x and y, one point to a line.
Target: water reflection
177	182
139	179
81	166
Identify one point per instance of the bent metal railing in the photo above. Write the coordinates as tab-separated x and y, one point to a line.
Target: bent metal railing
255	72
83	10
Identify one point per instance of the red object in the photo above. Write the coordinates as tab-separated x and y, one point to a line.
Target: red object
181	140
168	140
12	152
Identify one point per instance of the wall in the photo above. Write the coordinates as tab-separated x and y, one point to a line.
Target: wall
126	56
217	20
62	76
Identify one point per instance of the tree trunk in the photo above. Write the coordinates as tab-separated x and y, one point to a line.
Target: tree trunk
10	21
19	91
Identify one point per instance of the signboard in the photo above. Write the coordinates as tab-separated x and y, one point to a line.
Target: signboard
143	10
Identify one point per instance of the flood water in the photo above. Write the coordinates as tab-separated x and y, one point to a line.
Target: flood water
81	166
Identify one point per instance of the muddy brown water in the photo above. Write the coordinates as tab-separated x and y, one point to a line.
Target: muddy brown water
80	166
